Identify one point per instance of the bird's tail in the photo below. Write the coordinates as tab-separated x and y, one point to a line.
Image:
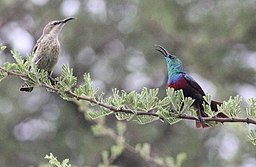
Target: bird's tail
26	88
214	107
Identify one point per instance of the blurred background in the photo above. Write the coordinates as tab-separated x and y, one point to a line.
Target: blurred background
114	41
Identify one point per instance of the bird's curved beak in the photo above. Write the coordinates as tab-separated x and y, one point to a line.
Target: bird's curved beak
162	50
66	20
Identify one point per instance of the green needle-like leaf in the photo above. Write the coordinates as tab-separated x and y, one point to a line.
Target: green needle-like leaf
3	74
2	47
232	106
144	119
94	114
252	137
67	80
251	109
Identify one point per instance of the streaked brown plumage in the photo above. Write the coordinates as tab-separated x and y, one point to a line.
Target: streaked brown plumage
47	49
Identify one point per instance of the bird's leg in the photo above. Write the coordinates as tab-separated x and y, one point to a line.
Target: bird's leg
52	80
200	116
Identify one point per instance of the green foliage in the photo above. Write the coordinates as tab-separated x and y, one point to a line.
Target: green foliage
146	101
108	156
124	116
67	80
173	104
19	61
10	66
105	160
86	89
99	129
118	99
232	107
2	47
121	128
169	116
252	137
145	150
112	154
35	76
207	107
144	119
28	63
176	102
54	161
181	157
142	107
15	67
250	110
3	74
98	114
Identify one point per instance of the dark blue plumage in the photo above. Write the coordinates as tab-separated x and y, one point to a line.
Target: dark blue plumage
179	79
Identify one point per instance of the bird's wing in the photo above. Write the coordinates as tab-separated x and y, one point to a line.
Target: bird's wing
35	48
194	84
36	45
38	60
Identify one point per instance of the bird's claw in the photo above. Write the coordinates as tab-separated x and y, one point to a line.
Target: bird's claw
202	122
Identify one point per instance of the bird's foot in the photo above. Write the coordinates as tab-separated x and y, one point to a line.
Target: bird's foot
201	122
172	111
52	80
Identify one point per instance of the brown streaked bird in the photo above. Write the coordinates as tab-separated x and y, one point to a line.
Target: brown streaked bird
47	49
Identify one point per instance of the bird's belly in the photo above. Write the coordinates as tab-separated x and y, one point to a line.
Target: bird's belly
47	62
46	58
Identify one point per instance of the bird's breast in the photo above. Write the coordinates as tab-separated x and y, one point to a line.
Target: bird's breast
177	82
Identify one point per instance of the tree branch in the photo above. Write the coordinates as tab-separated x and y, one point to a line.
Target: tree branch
130	111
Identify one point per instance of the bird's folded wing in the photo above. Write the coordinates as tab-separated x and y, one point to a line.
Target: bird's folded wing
194	84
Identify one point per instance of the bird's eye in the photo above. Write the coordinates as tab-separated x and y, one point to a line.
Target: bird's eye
171	57
54	23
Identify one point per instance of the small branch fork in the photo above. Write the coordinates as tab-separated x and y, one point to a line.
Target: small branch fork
129	111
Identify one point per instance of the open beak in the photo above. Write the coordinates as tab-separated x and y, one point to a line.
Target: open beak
162	50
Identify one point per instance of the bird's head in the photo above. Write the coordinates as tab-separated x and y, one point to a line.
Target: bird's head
54	27
173	63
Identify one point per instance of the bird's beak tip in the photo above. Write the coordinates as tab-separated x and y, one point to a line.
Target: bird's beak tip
68	19
162	50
